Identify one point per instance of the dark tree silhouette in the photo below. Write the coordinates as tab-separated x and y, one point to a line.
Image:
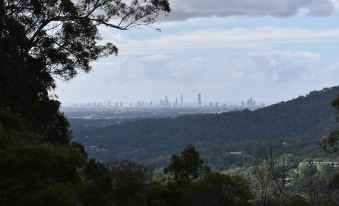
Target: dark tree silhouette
41	40
330	144
188	165
46	39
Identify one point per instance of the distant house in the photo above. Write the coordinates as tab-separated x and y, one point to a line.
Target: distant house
318	164
234	153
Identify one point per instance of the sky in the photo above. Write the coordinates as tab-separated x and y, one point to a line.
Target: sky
227	50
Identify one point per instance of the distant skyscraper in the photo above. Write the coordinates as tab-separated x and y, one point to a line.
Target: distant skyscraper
199	99
251	103
181	100
166	101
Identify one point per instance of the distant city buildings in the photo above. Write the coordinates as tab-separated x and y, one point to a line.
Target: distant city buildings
199	100
177	102
250	103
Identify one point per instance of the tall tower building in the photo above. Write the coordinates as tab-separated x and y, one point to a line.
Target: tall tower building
181	100
166	101
199	100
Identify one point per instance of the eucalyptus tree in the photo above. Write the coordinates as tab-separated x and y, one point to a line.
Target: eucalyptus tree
41	40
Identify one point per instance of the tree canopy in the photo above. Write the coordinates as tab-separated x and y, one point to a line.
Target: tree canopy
41	40
64	34
188	165
331	143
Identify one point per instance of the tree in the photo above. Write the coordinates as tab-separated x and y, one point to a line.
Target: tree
117	183
195	185
261	174
331	143
188	165
46	39
96	189
128	180
297	200
36	174
24	88
64	33
41	40
334	184
218	190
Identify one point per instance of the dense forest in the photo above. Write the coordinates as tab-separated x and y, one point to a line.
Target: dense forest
301	123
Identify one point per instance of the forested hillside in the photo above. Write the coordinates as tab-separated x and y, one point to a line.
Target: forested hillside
300	122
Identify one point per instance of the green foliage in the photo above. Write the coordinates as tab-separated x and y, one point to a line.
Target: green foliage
33	174
163	193
117	183
334	184
331	143
212	189
128	181
297	200
25	83
335	102
64	34
194	185
97	188
37	174
10	121
41	40
218	189
188	165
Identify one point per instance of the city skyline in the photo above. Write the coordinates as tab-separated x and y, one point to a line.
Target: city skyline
166	102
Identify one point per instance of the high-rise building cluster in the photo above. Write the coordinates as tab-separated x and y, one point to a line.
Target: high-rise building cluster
250	103
177	102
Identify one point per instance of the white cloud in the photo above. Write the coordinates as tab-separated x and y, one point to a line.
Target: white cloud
206	8
148	68
257	74
167	67
280	67
225	38
134	79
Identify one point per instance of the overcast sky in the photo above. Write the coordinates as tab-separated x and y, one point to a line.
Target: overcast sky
229	50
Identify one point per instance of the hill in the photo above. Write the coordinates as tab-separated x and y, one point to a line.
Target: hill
299	123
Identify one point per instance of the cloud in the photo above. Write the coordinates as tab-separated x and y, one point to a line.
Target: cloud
280	67
264	74
158	67
166	67
134	78
262	66
199	40
187	9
